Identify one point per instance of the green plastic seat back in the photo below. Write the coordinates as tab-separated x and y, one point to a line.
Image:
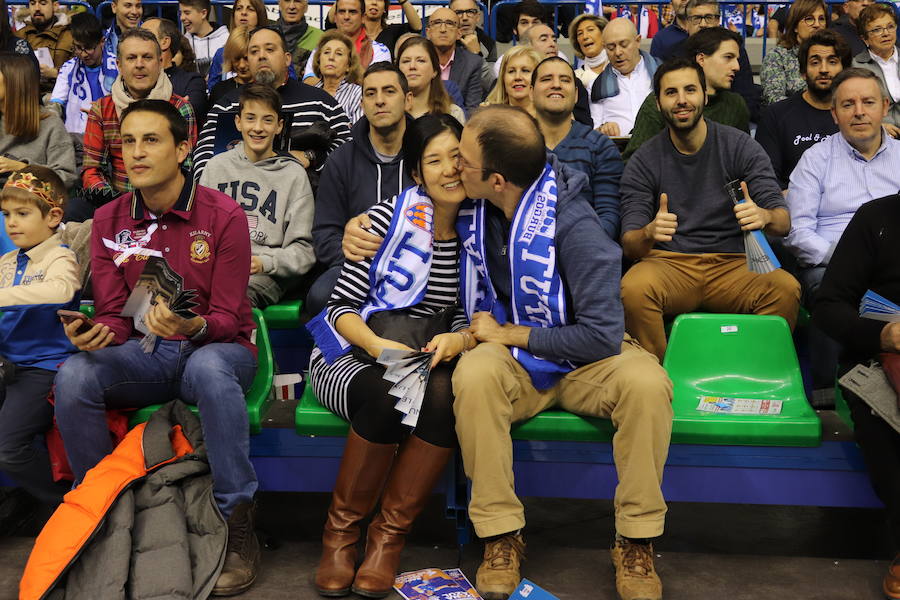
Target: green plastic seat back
741	356
284	315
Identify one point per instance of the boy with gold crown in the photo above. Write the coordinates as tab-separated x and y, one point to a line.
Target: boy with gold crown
36	280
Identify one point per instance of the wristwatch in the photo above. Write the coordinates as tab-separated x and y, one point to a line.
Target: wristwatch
310	156
201	333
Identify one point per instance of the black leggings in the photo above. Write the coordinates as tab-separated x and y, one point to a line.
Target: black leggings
375	419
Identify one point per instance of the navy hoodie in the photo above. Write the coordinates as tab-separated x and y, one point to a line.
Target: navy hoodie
353	181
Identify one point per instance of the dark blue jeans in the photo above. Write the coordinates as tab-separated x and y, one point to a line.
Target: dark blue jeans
25	415
214	377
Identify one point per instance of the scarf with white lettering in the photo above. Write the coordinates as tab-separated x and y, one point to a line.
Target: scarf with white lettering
398	276
538	296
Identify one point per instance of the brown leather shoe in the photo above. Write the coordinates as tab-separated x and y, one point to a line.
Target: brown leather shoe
417	468
891	582
364	468
498	574
242	554
636	578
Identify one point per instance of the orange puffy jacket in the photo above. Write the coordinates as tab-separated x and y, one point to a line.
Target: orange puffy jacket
117	534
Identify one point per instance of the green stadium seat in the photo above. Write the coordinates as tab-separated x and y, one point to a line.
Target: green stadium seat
313	419
741	356
755	361
285	315
259	396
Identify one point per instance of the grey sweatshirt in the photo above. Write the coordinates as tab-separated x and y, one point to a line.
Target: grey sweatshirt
276	195
52	148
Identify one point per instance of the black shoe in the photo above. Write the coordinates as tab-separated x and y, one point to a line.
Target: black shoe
242	555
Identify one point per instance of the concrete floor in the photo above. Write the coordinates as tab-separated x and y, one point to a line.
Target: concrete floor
710	551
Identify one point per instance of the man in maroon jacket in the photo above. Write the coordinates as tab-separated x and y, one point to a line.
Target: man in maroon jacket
208	360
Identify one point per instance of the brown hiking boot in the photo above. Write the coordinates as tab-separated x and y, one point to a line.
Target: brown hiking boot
891	582
242	555
636	578
498	574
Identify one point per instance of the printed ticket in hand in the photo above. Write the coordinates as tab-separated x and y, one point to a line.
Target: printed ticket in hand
408	371
739	406
158	281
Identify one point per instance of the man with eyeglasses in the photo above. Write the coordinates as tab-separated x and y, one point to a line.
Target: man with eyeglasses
471	35
80	79
702	14
457	64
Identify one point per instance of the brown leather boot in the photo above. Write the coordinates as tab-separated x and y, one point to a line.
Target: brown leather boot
242	554
636	577
498	576
417	468
364	468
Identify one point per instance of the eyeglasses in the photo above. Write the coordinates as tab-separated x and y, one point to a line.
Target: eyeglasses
469	12
84	49
463	164
439	22
709	19
879	30
811	21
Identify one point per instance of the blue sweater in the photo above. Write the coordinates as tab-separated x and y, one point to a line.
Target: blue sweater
595	155
590	264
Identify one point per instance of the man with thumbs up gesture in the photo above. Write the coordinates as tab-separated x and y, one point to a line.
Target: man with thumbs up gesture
680	224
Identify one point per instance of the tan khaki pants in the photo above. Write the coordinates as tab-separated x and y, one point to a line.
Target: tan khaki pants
672	283
493	391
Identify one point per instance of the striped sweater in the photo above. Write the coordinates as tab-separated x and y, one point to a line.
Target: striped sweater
34	284
353	286
306	104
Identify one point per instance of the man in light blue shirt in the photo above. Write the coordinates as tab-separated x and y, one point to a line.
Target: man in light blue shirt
832	180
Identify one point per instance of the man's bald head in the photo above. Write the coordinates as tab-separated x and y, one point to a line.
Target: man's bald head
623	45
443	29
511	143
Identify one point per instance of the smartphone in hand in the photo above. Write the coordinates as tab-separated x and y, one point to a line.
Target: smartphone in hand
69	316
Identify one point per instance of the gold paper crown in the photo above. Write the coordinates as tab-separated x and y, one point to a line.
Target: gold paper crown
30	183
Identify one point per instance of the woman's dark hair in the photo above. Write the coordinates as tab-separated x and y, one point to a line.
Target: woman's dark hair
5	30
419	134
21	111
262	18
707	41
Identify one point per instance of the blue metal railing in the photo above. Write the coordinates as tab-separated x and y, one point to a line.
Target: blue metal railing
157	7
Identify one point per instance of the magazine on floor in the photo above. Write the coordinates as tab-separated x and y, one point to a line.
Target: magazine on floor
435	584
158	281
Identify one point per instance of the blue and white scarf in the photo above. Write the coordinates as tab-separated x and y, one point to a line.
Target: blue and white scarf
538	296
398	276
